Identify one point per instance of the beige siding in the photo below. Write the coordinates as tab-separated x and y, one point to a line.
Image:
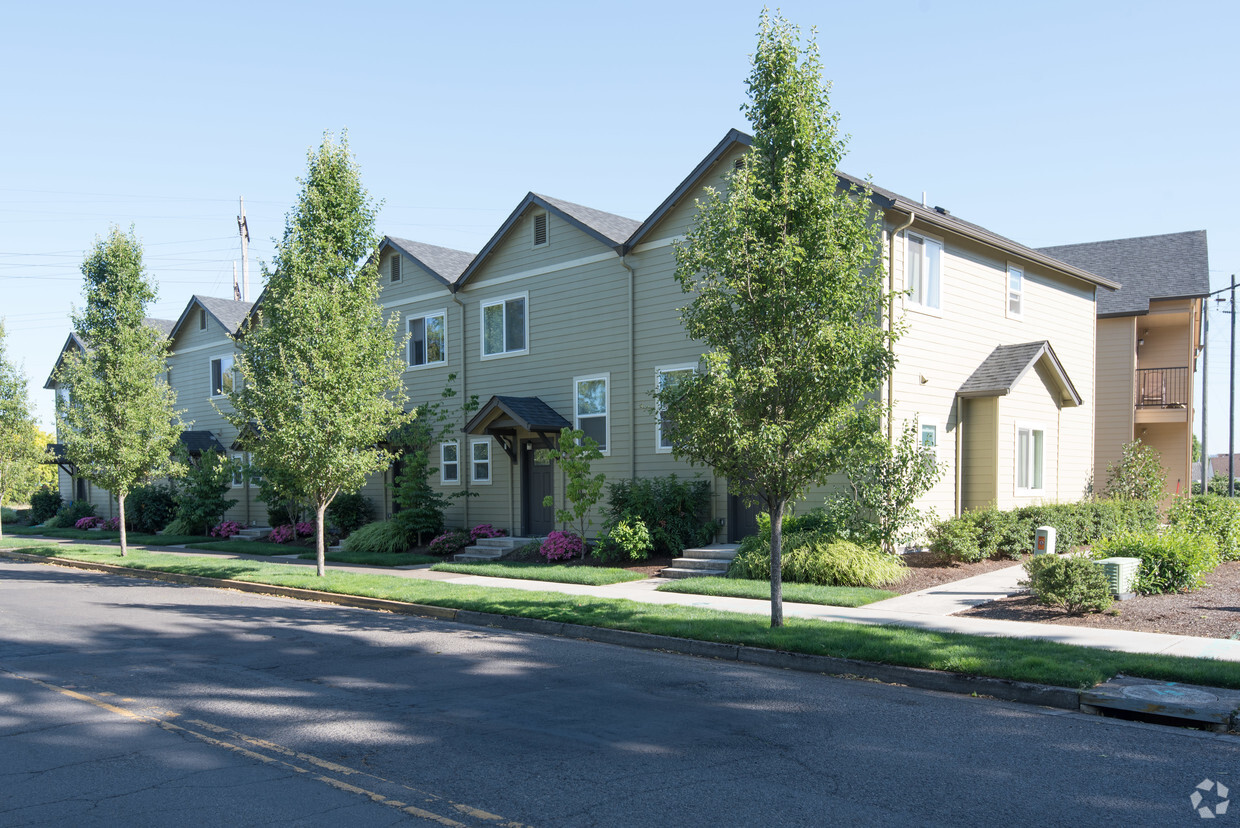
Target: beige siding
980	449
1117	344
1031	405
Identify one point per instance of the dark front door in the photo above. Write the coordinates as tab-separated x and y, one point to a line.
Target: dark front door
537	481
742	519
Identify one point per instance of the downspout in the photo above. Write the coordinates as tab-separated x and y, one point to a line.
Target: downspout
959	454
464	451
632	373
891	316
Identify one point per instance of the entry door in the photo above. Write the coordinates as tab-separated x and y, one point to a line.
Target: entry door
742	519
537	481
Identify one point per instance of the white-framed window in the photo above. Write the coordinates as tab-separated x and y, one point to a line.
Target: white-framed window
540	237
923	268
1015	292
666	375
238	471
480	460
592	402
428	339
504	326
450	463
223	378
930	437
1030	442
394	268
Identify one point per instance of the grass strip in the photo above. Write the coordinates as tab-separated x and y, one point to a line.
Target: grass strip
1033	660
245	547
831	596
374	558
535	571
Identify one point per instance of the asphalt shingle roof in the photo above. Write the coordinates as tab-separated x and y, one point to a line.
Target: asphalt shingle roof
531	413
616	228
229	312
445	262
1002	370
196	442
1170	266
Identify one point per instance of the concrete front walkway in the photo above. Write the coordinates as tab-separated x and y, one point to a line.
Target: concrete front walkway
929	609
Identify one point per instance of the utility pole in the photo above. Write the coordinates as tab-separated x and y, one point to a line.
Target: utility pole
237	288
244	229
1207	471
1231	425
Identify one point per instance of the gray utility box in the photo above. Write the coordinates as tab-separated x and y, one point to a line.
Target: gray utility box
1044	540
1121	574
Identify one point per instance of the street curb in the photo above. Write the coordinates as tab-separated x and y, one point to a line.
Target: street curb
1043	695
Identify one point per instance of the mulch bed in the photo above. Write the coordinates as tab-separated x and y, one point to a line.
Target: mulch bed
926	571
1210	612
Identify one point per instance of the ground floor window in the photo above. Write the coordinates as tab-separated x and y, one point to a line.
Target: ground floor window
480	456
1029	450
449	463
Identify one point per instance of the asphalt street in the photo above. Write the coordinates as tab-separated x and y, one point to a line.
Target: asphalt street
138	703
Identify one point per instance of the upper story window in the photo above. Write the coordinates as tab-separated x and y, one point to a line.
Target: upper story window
591	407
1015	292
449	463
1029	450
394	268
540	229
930	437
665	376
503	326
223	380
428	341
923	268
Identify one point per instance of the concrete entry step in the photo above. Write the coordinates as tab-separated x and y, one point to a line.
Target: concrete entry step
702	561
490	549
1212	707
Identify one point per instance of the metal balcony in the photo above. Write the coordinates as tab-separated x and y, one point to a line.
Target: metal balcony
1162	388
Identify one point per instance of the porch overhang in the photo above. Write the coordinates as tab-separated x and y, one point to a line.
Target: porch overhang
1002	371
509	419
56	456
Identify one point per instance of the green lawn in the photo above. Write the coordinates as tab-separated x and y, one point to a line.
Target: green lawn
276	549
374	558
798	593
1018	659
248	547
535	571
104	537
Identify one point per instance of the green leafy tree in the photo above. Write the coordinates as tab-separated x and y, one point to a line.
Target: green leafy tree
322	382
1196	449
787	297
21	454
119	425
888	479
1139	475
200	491
575	452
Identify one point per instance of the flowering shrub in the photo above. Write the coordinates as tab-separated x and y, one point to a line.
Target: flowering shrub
289	533
560	546
112	524
226	529
449	543
88	523
485	530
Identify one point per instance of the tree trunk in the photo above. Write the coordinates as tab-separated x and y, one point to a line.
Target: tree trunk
120	504
320	512
777	575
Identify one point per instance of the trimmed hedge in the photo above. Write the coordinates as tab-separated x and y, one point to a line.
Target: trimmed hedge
1211	515
1172	561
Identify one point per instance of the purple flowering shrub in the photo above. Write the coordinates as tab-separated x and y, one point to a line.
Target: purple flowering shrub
112	524
449	543
88	523
289	533
560	546
485	530
226	529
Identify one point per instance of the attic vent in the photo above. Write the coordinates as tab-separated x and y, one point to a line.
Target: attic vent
540	229
202	319
395	268
738	164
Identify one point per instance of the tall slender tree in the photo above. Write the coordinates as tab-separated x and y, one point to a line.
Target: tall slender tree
320	365
787	298
119	424
21	454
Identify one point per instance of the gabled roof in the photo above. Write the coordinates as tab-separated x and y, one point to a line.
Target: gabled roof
444	263
1170	266
607	228
229	313
1000	372
196	442
530	413
163	326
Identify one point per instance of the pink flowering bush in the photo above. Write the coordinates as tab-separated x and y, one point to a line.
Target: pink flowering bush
88	523
485	530
112	524
449	543
226	529
289	533
560	546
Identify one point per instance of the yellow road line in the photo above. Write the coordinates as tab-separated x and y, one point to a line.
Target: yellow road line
272	747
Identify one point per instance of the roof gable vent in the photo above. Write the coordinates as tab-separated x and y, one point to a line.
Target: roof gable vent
395	268
540	229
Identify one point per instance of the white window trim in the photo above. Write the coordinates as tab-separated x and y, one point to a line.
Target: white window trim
922	424
443	312
238	476
911	303
1031	428
211	375
606	378
659	370
482	309
1007	291
472	467
442	480
534	223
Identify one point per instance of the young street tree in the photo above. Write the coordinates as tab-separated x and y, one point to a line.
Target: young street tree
119	425
21	455
321	368
787	299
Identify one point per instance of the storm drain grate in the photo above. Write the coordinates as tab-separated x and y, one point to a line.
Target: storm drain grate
1165	702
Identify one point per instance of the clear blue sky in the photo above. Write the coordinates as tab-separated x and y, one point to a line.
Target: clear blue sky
1050	123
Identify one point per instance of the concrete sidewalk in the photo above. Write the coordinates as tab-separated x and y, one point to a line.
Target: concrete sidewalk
929	609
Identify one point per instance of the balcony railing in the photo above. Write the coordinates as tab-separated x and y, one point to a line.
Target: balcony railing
1162	388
